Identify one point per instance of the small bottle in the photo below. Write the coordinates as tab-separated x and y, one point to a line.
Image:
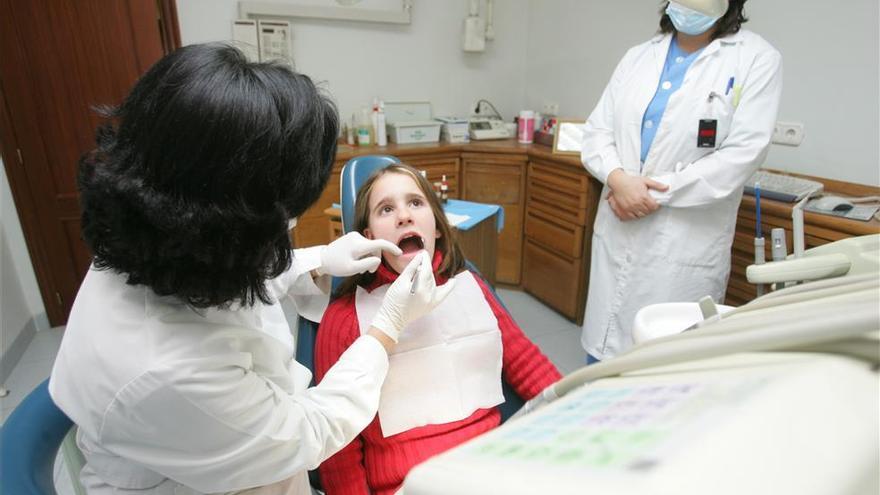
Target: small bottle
363	130
526	127
444	190
374	124
349	134
352	130
381	132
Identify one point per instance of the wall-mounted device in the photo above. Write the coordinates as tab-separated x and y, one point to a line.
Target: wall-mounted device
476	31
347	11
483	128
276	41
244	32
264	40
474	34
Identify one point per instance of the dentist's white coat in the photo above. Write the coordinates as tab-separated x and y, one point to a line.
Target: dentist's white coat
171	400
681	252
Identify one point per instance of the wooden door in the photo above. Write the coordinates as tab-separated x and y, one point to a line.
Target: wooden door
58	60
500	179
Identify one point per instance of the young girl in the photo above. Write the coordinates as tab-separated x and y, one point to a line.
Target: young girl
445	374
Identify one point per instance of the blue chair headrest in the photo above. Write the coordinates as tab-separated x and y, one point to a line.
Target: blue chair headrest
355	172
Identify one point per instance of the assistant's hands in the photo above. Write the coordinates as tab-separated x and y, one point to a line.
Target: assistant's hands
629	198
413	295
352	254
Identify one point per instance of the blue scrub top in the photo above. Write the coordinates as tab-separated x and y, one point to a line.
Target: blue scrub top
677	63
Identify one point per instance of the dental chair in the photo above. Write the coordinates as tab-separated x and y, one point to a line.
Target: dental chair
354	173
29	441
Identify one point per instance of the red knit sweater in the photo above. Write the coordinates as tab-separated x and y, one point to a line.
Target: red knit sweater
372	463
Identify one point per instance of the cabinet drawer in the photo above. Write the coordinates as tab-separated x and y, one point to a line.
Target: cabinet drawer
563	237
559	191
552	278
493	183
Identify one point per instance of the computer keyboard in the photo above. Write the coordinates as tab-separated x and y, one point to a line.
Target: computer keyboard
781	187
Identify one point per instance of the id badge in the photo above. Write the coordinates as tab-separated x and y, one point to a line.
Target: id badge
707	133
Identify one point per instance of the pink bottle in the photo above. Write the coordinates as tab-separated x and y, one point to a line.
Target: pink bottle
525	132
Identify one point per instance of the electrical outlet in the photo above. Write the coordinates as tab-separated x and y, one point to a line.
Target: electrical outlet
788	133
550	109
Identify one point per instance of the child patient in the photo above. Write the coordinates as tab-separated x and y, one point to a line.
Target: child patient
444	379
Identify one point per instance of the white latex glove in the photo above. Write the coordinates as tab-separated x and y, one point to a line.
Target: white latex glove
410	297
352	254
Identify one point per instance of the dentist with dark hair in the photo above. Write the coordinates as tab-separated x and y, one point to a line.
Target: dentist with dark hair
177	364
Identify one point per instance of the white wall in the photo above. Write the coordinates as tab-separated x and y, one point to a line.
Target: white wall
18	255
419	61
20	301
831	55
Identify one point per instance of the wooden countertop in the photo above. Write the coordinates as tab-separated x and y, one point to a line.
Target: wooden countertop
511	146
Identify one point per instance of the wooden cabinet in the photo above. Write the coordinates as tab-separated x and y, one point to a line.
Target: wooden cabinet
499	178
560	209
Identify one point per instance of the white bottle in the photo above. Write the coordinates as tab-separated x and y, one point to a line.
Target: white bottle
381	132
363	130
374	128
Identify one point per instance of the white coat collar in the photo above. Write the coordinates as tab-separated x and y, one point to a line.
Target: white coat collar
661	43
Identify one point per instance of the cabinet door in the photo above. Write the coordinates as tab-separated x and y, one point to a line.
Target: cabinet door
438	166
553	279
500	179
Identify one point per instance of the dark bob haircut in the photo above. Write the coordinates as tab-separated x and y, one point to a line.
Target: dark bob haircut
728	24
198	172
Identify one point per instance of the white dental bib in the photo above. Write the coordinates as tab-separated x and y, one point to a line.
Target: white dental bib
446	364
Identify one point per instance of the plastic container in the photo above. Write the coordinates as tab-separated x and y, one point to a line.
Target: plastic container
444	190
381	131
525	131
411	122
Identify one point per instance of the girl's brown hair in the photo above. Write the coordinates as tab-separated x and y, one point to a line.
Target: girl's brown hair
453	258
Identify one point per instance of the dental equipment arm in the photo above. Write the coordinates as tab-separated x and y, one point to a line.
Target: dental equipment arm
799	269
852	256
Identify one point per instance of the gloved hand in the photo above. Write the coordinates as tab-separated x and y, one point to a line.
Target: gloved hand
413	295
352	254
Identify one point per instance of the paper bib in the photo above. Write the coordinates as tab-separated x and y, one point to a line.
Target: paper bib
446	364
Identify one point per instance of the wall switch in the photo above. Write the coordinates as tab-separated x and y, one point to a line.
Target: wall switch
550	109
788	133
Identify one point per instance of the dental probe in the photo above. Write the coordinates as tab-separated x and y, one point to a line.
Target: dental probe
412	289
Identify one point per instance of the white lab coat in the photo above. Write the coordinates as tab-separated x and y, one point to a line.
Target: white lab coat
173	400
682	251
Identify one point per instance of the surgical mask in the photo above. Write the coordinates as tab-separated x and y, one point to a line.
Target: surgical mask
689	21
291	223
